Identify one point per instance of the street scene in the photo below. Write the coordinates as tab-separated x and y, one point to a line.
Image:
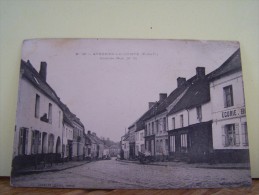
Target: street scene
110	174
130	114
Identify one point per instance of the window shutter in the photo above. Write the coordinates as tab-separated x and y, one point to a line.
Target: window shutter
224	143
32	141
39	138
26	141
237	139
20	141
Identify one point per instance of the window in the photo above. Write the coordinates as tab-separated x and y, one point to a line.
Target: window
181	120
51	143
50	113
152	128
145	130
228	96
37	106
36	142
164	124
141	136
244	134
172	143
173	123
230	135
59	118
199	113
184	142
23	141
157	126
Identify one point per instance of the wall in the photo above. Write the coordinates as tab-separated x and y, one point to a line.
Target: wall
26	114
206	20
177	119
206	114
218	110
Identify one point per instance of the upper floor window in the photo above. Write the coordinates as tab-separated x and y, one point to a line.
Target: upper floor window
141	136
199	113
164	124
173	123
152	128
157	126
59	118
228	96
181	120
50	113
37	106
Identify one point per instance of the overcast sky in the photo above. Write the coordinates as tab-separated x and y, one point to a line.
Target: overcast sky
108	83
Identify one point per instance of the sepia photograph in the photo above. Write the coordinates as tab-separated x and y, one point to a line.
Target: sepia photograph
130	114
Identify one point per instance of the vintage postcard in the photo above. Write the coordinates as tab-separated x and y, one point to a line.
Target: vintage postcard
130	114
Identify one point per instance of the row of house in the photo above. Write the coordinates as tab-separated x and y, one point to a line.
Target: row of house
202	120
45	126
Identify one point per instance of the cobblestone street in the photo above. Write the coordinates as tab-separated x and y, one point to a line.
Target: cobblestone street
110	174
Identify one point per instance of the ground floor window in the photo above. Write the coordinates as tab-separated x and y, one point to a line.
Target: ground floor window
152	147
51	143
244	134
23	141
142	148
184	142
35	142
230	134
172	143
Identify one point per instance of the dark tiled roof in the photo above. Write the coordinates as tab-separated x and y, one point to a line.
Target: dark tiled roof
94	139
114	146
140	123
29	72
232	64
126	137
198	93
161	106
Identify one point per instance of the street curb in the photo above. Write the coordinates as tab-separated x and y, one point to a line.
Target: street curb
137	162
204	167
18	173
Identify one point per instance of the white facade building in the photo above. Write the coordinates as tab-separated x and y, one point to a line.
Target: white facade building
229	128
139	142
39	117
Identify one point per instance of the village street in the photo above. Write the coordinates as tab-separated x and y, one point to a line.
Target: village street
118	174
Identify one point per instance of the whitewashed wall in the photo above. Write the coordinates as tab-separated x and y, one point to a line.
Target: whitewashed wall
217	102
26	114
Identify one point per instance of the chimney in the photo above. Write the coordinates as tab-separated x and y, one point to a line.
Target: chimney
89	132
43	70
180	81
162	96
94	134
151	104
200	72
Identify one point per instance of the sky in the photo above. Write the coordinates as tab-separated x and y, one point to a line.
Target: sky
108	83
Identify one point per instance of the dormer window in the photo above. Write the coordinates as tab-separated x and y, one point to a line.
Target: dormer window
36	80
199	113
